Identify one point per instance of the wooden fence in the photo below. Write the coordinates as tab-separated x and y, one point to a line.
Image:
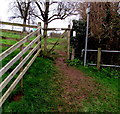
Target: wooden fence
36	50
99	54
65	33
23	50
20	33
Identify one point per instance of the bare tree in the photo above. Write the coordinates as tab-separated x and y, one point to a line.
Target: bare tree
23	10
45	10
82	11
50	11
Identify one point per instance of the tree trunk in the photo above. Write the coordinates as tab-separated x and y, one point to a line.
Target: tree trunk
45	37
24	22
46	26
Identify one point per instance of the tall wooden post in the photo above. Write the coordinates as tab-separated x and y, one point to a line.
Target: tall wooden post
45	38
73	53
68	43
39	32
98	58
73	49
21	69
45	42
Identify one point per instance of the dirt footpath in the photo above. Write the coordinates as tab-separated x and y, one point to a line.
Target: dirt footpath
76	85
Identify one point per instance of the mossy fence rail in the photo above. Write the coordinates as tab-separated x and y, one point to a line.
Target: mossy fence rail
36	42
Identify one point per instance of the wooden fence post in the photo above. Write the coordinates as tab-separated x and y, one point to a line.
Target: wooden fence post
39	32
73	49
45	38
68	43
98	58
21	69
73	53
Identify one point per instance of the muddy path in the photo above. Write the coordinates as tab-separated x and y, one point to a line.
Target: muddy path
76	85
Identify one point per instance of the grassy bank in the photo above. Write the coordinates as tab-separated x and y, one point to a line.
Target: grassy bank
106	97
40	91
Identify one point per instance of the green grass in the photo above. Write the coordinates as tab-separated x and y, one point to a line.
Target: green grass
5	41
40	91
49	40
57	47
42	88
106	97
11	42
107	76
11	35
53	40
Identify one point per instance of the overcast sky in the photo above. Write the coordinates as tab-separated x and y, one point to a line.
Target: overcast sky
5	13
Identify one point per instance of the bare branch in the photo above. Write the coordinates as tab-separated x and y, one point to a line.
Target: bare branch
41	11
38	17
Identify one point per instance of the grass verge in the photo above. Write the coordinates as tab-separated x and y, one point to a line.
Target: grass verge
40	91
106	96
107	99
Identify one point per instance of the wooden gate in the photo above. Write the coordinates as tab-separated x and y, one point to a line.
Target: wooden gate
62	42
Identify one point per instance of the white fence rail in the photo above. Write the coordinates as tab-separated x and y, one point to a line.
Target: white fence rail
36	50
